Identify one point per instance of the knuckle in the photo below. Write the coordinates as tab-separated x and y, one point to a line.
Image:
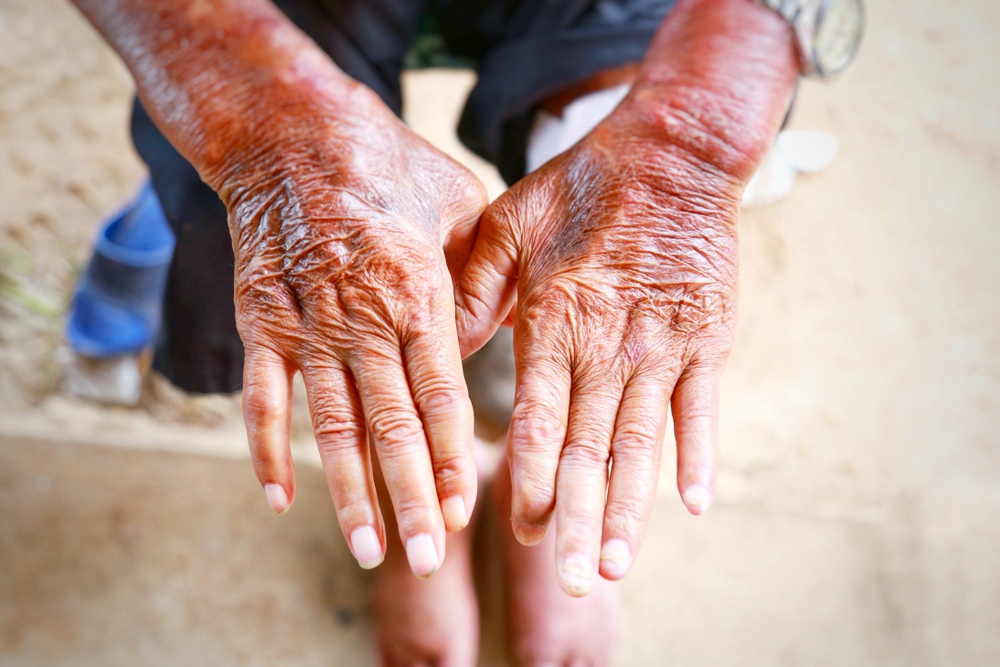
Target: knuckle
544	305
417	276
396	432
258	405
413	510
636	440
626	516
353	507
585	453
260	286
336	431
455	469
436	395
533	498
535	425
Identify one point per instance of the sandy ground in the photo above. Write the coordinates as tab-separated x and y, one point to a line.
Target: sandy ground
858	514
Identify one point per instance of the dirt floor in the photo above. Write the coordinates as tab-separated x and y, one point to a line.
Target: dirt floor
858	513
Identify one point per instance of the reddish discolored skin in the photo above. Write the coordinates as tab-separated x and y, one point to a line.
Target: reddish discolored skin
623	255
347	230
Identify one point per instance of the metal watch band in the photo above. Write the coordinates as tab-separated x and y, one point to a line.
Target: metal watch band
789	9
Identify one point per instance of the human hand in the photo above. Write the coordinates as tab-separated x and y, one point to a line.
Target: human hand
622	252
345	226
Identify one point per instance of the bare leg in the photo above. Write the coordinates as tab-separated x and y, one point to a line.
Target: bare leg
430	622
547	627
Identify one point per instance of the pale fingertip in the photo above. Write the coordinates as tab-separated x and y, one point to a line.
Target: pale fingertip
616	558
577	574
456	517
277	498
698	499
422	555
366	547
529	536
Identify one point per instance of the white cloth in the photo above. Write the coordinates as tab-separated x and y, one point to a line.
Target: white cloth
794	151
551	135
808	151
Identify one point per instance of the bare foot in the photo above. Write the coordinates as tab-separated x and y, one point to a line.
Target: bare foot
431	622
547	627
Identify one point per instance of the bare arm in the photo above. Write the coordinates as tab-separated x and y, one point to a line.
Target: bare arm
212	73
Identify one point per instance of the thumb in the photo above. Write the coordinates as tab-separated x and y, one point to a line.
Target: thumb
487	288
462	210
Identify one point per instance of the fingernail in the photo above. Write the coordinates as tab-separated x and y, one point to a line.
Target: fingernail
455	515
276	497
697	499
577	574
616	557
422	555
529	536
366	547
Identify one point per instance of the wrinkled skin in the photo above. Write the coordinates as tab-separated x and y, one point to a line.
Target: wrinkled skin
621	256
624	254
342	272
349	232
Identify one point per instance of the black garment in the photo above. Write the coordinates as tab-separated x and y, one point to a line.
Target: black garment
527	50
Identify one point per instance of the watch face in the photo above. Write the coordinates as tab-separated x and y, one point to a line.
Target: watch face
838	34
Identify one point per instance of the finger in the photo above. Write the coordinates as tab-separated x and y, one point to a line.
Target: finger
437	384
339	426
534	441
460	221
635	468
486	290
695	405
398	436
582	482
267	397
511	315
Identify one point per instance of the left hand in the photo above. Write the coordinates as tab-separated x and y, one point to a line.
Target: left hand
622	253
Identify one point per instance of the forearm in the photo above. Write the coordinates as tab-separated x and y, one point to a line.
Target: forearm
716	82
219	76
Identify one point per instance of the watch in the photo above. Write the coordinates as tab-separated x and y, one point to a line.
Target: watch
827	32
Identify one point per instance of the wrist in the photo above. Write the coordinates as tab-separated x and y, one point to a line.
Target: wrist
233	84
244	119
716	84
286	124
698	127
679	191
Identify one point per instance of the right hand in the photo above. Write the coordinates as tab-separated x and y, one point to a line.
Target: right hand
348	229
621	255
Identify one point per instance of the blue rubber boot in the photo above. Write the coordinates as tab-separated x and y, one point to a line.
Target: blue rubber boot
116	308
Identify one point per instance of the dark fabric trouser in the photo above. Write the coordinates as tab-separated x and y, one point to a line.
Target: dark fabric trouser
526	50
